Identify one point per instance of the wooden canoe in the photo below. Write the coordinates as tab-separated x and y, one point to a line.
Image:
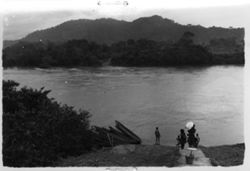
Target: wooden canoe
117	132
127	132
116	136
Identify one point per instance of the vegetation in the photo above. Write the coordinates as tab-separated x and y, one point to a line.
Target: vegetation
141	52
139	156
228	46
37	130
72	53
225	155
151	53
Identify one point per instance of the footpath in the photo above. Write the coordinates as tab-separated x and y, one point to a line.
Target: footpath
199	158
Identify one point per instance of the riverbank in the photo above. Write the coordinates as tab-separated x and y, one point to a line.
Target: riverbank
153	155
225	155
126	155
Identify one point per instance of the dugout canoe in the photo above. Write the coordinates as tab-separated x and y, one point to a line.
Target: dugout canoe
127	132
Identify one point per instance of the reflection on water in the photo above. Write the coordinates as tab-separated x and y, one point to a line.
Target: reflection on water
143	98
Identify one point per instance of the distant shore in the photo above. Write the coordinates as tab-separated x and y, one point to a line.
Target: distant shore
84	67
130	53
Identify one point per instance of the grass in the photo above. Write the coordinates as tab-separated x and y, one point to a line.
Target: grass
143	155
155	155
225	155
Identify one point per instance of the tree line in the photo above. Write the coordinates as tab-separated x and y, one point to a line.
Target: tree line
142	52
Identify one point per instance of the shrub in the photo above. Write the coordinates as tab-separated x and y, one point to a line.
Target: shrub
37	129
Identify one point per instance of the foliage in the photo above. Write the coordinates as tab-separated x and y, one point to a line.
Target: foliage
37	130
140	52
226	46
151	53
71	53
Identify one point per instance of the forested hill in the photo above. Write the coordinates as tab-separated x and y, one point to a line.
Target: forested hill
110	31
142	52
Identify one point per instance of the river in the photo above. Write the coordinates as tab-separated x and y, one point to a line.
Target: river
145	98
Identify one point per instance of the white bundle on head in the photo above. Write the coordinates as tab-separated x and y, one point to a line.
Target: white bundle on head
189	125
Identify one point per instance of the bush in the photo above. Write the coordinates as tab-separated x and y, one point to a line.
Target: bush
37	130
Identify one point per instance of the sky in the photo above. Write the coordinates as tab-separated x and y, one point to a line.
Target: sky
17	23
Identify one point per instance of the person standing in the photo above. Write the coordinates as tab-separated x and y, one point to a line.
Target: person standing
191	136
157	136
182	138
197	140
178	140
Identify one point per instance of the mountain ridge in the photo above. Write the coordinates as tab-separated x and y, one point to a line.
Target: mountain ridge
109	30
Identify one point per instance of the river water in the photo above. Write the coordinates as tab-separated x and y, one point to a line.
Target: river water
143	98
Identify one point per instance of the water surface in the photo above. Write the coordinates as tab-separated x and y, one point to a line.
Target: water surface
143	98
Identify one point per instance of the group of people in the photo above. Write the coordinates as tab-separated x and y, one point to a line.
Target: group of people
192	138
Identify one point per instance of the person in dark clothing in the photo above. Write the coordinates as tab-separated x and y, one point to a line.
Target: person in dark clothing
178	140
192	130
191	136
157	136
182	139
197	140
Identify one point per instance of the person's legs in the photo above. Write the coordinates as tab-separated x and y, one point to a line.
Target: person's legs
193	141
157	140
189	142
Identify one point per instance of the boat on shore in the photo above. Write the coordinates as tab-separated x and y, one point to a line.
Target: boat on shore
108	137
127	132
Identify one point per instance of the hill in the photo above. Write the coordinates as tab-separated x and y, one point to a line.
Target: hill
108	31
